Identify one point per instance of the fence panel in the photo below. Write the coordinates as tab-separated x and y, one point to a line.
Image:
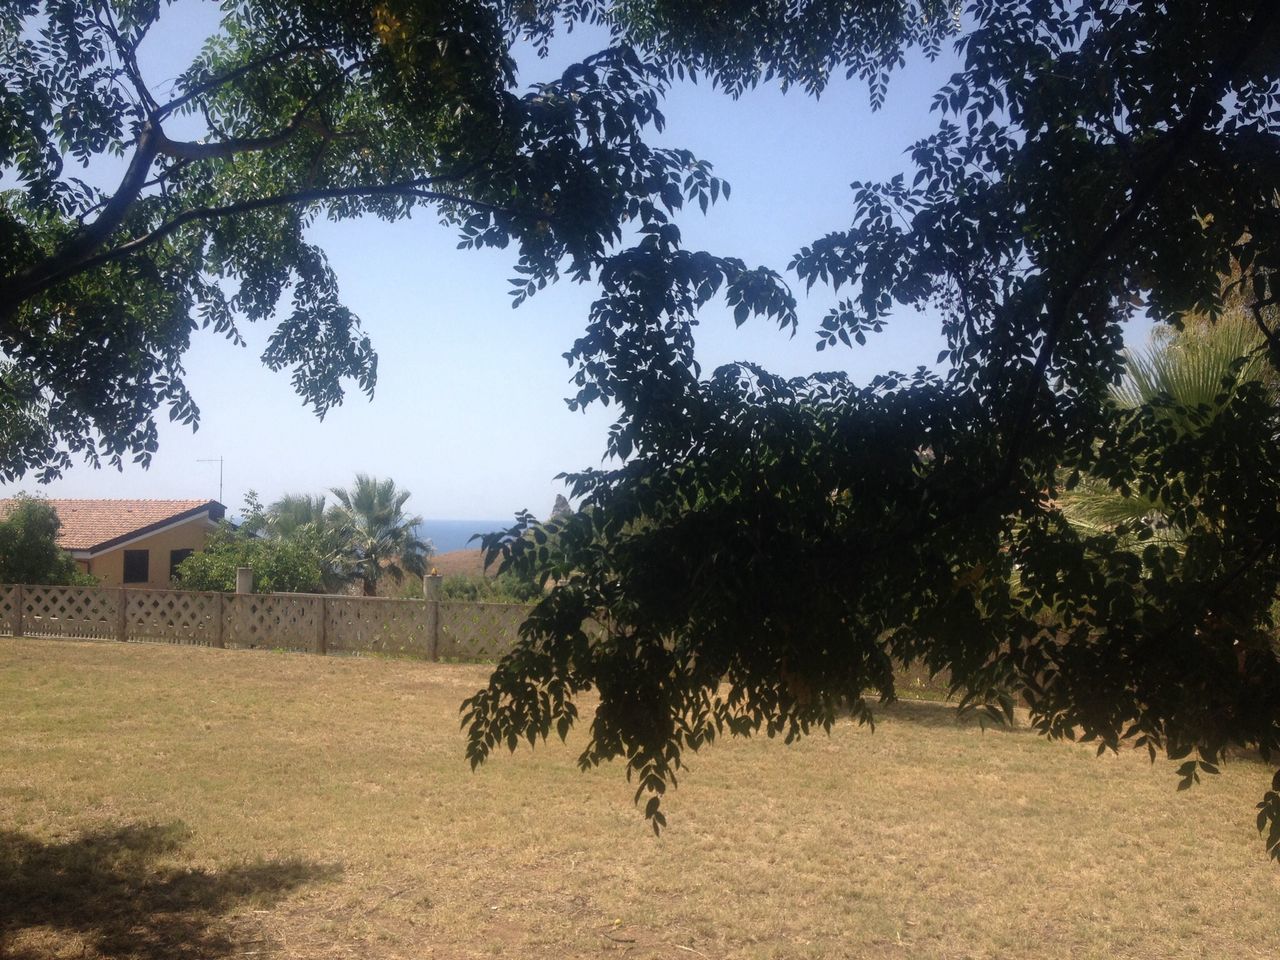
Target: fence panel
379	625
8	601
479	631
83	612
459	630
172	616
451	629
274	621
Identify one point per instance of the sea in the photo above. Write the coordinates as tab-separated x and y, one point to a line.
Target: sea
449	535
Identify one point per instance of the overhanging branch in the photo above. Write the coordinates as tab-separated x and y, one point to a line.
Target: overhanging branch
17	289
417	189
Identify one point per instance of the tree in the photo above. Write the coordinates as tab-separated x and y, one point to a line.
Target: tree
294	511
376	536
1092	162
29	551
297	110
301	517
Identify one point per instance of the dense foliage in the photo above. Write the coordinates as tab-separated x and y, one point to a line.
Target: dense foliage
1178	379
29	551
764	550
302	517
294	565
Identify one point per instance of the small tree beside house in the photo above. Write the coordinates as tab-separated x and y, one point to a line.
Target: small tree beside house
29	551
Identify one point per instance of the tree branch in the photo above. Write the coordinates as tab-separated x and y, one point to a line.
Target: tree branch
24	285
1273	340
213	83
406	188
74	257
159	180
222	149
127	51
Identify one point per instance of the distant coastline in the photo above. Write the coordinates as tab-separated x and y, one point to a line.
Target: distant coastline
446	536
449	535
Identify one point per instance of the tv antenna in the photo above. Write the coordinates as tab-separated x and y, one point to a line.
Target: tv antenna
219	462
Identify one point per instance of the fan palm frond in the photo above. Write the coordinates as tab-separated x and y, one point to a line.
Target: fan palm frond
1183	376
377	536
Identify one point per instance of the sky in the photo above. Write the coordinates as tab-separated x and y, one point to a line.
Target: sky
469	409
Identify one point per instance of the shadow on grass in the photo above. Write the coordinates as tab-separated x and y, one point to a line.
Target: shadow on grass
107	894
936	713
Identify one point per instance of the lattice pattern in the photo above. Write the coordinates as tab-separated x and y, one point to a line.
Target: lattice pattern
274	621
172	616
479	631
462	631
86	612
374	625
8	601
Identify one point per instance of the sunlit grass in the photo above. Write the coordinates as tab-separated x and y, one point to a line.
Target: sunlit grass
182	802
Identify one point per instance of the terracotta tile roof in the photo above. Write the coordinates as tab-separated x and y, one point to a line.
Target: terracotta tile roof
90	524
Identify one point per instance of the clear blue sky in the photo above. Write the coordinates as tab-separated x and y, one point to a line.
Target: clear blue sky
469	411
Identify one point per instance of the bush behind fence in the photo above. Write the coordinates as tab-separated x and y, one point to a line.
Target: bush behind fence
427	629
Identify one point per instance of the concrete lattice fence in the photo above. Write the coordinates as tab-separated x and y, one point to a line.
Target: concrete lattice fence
429	629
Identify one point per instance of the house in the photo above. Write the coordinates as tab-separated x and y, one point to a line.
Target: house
133	542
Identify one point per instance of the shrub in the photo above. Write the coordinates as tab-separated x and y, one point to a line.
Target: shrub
504	588
279	566
29	551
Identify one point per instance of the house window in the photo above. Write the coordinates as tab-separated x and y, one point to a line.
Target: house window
176	557
137	566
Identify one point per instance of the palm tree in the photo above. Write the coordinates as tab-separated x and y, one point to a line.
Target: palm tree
293	511
1180	377
377	537
302	517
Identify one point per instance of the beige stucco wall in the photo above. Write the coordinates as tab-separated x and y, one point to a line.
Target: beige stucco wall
109	567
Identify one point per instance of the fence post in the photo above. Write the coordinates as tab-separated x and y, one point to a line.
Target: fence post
431	593
220	614
122	615
322	637
19	610
244	584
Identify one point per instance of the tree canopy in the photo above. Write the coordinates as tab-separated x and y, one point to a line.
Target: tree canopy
763	551
296	110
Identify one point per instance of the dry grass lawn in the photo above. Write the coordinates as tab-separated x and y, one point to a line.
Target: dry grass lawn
164	802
